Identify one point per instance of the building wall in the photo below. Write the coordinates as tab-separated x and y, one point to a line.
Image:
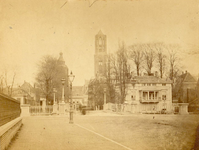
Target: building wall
134	96
185	87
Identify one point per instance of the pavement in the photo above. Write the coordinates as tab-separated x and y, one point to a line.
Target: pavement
55	133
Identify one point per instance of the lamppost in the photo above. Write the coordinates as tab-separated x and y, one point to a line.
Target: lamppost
104	98
62	104
63	82
71	78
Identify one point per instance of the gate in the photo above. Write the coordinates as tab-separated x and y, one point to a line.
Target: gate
39	110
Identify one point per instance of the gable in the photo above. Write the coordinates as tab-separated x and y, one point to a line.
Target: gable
189	78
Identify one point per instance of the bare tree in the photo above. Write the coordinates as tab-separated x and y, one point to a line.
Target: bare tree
6	83
50	73
149	56
46	74
12	84
136	54
122	71
174	61
161	58
110	76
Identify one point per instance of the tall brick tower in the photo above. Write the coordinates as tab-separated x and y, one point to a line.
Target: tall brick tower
100	54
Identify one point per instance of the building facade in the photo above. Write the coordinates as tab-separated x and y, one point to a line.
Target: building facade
148	94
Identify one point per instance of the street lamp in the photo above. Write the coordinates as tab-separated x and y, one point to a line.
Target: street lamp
71	78
63	82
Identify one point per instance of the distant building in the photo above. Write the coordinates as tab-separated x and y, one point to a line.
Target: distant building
100	54
79	96
149	93
194	102
62	73
184	90
26	94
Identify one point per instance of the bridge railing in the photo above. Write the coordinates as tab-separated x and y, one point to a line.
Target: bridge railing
9	109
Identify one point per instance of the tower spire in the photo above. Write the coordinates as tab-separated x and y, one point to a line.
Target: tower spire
61	59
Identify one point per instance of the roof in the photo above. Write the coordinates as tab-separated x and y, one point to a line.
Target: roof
100	32
187	77
77	90
150	79
184	78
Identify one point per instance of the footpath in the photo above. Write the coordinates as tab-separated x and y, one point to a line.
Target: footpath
55	133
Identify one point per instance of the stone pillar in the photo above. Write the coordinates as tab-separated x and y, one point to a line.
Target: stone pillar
25	110
61	108
183	109
43	105
54	103
54	109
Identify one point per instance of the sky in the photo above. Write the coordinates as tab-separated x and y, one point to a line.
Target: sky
30	29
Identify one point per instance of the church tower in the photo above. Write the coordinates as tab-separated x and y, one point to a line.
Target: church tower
62	72
100	54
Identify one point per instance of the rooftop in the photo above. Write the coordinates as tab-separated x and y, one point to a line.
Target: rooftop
150	79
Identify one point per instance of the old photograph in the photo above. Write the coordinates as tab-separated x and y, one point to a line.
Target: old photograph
99	75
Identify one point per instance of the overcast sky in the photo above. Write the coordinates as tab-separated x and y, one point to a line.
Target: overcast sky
30	29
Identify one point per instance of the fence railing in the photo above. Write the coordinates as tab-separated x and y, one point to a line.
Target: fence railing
9	109
142	108
39	110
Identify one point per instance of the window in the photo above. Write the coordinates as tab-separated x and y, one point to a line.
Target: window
133	85
163	97
145	95
100	62
100	41
132	97
151	95
164	84
153	84
148	84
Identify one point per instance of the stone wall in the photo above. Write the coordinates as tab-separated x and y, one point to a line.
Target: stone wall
8	131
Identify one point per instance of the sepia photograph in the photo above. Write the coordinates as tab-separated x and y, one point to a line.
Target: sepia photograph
99	75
